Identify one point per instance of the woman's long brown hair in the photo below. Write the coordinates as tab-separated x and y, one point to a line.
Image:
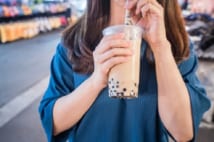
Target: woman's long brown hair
82	37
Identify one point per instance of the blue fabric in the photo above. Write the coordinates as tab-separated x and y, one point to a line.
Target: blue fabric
198	16
118	120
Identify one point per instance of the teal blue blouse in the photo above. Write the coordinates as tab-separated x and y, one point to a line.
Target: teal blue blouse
118	120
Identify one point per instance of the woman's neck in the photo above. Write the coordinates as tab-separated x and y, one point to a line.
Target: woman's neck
117	14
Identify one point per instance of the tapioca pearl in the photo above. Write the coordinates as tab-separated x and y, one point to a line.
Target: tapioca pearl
112	81
117	82
117	86
118	94
124	89
135	84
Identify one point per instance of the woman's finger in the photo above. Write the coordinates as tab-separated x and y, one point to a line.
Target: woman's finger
115	52
109	38
135	19
109	44
151	9
144	10
114	61
155	3
140	4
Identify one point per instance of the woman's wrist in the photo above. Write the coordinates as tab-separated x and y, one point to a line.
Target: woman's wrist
95	83
162	51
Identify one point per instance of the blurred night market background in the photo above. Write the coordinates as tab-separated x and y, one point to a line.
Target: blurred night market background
29	33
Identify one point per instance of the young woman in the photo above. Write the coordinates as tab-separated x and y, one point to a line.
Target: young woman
171	99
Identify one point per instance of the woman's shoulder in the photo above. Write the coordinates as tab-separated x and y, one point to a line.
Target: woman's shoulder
62	53
60	49
190	64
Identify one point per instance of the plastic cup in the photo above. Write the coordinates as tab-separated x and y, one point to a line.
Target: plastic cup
123	78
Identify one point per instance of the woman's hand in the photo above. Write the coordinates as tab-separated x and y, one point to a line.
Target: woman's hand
112	50
149	15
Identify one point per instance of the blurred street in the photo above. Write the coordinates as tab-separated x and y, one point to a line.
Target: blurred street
23	78
24	63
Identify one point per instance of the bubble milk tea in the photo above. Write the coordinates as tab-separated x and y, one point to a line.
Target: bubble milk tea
123	78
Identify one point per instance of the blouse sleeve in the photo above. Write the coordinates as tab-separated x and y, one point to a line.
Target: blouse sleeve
198	98
60	84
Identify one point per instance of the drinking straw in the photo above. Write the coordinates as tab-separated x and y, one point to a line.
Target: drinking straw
128	19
